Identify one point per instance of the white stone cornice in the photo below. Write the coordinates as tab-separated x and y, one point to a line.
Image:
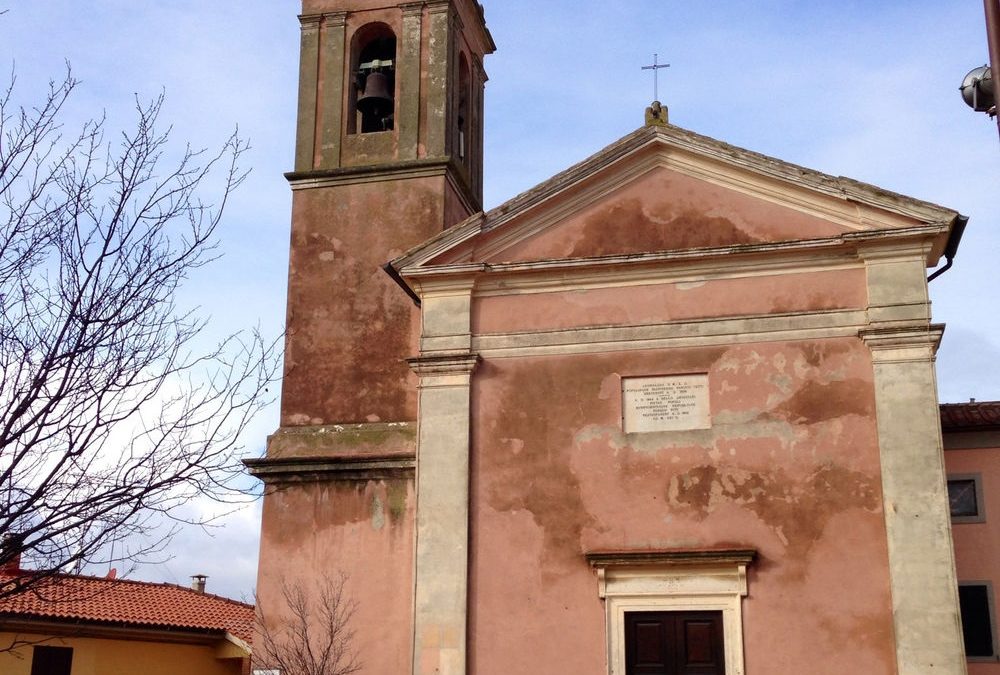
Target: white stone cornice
893	249
826	248
673	334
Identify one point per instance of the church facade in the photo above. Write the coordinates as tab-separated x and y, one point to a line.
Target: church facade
672	411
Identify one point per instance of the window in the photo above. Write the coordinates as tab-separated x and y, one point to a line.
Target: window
674	643
975	598
689	601
51	660
965	498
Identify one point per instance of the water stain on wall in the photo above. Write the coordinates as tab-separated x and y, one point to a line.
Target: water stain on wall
796	509
816	402
542	405
626	227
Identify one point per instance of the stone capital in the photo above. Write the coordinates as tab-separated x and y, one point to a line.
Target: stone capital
334	19
444	365
437	6
916	343
412	9
310	22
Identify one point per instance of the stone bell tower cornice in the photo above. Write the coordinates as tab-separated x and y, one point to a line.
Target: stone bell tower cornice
470	10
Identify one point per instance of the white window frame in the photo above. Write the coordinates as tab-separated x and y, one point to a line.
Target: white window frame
675	581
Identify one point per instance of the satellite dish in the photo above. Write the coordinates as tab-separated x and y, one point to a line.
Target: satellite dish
977	90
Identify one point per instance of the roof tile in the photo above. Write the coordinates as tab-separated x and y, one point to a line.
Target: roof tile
970	416
132	603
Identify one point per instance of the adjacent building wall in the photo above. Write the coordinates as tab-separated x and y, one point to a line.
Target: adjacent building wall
97	656
977	545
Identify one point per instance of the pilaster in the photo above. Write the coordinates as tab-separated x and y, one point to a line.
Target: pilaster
438	71
479	79
408	75
921	557
442	566
331	89
305	131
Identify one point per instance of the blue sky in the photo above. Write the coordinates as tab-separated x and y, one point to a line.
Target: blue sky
867	90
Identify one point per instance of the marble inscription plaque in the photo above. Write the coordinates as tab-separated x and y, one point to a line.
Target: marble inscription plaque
666	403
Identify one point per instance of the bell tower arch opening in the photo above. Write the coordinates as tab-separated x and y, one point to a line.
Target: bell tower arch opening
463	119
373	94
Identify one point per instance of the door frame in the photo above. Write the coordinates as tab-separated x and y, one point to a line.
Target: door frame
670	584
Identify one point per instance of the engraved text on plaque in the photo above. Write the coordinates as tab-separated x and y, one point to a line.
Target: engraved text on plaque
665	403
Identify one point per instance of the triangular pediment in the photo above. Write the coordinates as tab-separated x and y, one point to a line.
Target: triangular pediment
664	189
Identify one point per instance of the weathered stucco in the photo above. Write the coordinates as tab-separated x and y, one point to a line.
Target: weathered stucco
665	210
349	327
789	468
312	530
678	301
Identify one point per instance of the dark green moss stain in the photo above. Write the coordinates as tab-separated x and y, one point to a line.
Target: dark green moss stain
397	494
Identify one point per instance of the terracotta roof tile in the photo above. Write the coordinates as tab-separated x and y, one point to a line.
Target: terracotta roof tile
131	603
970	416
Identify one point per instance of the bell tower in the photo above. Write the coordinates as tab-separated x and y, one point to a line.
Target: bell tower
388	153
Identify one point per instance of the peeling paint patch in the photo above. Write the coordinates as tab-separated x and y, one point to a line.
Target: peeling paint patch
797	510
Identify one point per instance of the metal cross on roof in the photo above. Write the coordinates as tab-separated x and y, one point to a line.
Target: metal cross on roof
656	75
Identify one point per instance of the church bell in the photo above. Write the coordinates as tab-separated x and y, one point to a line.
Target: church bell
376	101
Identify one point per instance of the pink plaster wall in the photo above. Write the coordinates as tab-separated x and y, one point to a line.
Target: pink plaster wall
656	303
663	210
318	528
349	326
790	468
977	545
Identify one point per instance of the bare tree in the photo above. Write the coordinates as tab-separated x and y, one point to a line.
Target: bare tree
112	412
311	635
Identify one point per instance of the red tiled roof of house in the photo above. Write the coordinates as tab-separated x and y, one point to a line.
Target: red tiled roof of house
130	603
970	416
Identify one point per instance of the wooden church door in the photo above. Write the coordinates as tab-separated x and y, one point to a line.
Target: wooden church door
674	643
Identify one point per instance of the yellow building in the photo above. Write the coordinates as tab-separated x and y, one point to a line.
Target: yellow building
77	625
